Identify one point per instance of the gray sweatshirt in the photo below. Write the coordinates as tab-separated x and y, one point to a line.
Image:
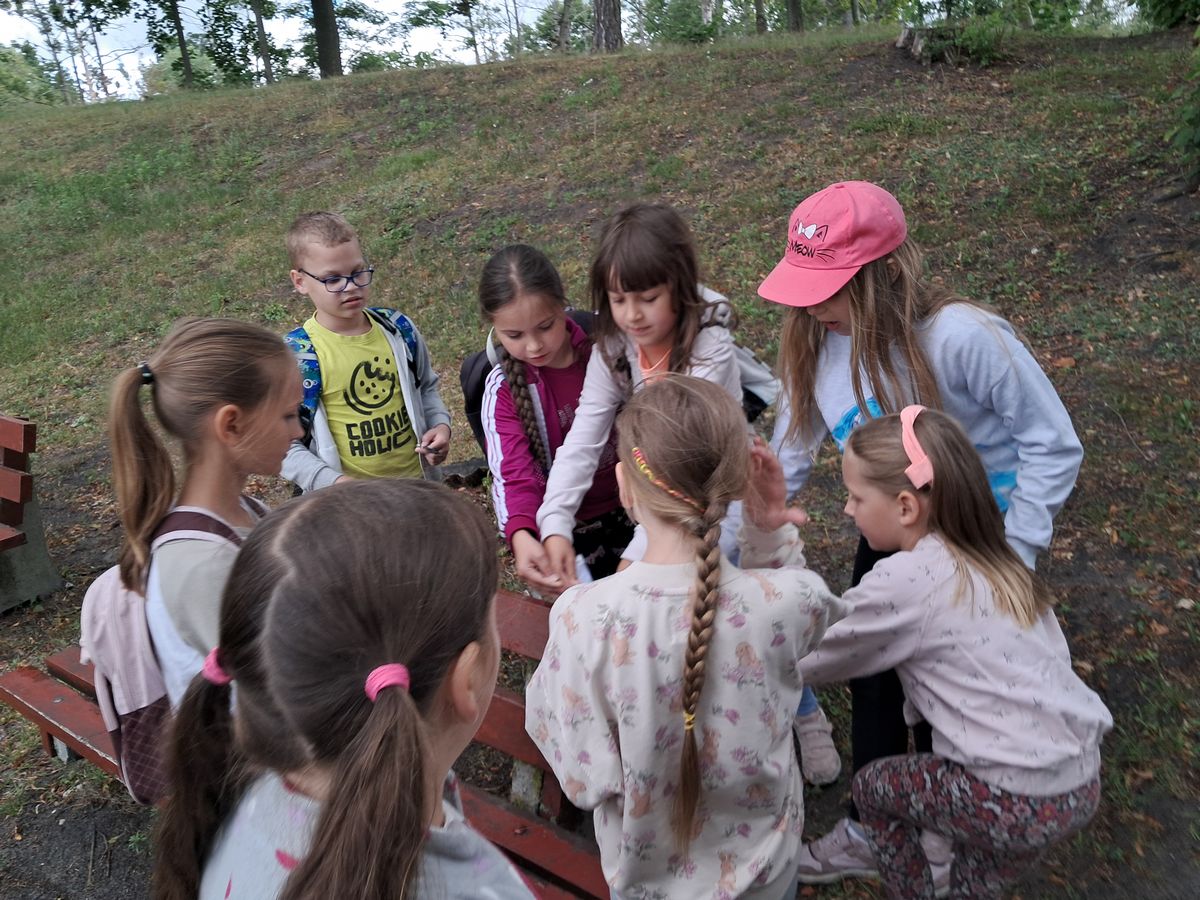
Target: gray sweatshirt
994	388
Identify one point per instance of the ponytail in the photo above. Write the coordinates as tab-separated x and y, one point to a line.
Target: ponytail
143	476
201	365
206	784
368	839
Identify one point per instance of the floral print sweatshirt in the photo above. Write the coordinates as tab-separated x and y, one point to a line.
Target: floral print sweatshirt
605	707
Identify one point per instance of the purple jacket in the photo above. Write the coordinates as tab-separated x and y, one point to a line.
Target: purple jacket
518	482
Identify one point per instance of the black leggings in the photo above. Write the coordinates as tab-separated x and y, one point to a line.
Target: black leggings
877	727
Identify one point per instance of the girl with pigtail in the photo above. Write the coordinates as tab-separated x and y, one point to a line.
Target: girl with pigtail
529	404
665	696
228	392
653	317
361	675
971	635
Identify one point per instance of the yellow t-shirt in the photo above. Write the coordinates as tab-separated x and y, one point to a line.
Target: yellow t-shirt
360	390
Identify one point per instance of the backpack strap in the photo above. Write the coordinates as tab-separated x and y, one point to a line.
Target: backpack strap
395	322
301	344
189	522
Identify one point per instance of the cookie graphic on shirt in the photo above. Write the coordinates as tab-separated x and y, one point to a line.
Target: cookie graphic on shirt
371	388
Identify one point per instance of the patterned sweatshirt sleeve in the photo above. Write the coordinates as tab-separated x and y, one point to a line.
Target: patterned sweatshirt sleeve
576	460
884	625
566	713
517	480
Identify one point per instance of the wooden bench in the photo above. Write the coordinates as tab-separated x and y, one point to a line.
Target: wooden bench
26	570
60	701
18	438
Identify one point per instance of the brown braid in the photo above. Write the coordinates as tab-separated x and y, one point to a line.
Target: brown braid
514	374
707	529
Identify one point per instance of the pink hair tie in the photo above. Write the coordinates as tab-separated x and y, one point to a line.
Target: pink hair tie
212	671
920	473
384	677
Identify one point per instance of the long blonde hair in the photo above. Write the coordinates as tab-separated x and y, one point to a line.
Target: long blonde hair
201	365
962	508
694	454
888	298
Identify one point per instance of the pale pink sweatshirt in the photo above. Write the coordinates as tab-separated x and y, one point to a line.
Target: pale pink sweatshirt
1002	700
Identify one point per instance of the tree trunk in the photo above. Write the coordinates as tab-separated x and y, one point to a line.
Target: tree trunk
564	27
185	57
606	32
45	26
795	15
329	44
100	65
264	45
474	34
706	11
760	17
854	11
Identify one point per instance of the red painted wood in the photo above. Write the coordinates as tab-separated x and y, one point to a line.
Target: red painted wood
504	728
544	889
15	485
60	711
537	842
524	624
552	796
10	537
18	434
65	666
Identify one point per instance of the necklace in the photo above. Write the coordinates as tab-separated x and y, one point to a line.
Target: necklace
644	360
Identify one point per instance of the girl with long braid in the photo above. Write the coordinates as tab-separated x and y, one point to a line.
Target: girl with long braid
665	695
529	403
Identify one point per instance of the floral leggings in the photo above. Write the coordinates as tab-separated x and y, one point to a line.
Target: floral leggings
997	836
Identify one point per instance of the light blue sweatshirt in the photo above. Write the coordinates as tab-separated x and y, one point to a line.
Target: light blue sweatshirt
994	388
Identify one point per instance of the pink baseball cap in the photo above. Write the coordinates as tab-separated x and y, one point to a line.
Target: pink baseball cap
832	235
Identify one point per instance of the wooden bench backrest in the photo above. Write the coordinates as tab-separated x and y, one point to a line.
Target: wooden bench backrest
17	440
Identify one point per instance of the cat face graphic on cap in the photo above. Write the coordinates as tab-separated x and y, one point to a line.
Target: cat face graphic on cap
831	235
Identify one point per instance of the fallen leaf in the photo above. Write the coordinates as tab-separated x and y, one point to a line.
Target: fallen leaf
1186	604
1064	362
1158	629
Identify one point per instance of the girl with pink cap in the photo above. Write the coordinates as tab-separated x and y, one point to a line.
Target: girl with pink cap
867	334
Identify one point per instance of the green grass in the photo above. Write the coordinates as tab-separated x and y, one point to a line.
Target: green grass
1030	184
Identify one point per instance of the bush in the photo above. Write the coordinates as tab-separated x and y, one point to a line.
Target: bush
1185	136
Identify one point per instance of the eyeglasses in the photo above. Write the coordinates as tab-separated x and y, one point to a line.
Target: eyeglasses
335	284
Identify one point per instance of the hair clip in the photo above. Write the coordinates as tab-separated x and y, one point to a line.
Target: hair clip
147	375
920	470
639	459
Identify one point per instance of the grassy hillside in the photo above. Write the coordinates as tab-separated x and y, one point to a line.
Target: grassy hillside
1033	185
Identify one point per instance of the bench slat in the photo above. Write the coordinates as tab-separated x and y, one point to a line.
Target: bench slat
524	624
15	486
10	537
536	841
19	435
504	729
65	666
62	712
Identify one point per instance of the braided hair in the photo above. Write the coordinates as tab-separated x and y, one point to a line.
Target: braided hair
512	271
683	442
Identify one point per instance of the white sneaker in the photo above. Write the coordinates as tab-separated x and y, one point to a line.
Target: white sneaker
819	760
843	853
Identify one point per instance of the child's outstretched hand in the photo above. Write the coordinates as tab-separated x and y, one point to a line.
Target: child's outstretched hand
533	563
765	505
435	444
560	553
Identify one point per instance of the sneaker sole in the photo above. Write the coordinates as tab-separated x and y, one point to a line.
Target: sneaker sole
830	878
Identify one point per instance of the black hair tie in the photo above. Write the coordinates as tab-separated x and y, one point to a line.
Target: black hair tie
147	375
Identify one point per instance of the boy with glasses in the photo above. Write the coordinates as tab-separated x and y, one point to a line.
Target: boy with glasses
369	389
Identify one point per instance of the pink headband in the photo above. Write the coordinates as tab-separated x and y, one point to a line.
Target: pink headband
384	677
920	473
212	671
